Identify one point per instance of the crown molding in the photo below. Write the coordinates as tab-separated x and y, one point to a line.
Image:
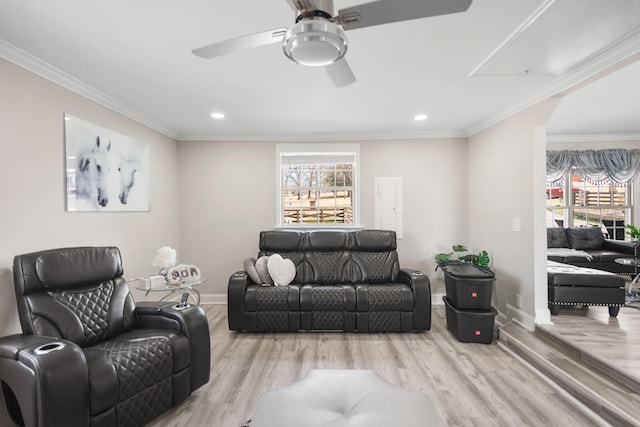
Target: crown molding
37	66
325	136
626	49
594	138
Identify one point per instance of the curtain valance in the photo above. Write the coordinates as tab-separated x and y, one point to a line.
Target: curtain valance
614	166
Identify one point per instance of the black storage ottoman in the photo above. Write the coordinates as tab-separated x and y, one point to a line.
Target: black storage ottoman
470	326
571	285
468	286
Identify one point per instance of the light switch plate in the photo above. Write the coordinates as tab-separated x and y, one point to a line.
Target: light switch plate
517	225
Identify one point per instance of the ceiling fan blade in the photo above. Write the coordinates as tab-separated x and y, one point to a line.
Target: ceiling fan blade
340	73
387	11
239	43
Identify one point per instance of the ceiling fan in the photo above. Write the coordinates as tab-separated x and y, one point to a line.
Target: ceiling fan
318	40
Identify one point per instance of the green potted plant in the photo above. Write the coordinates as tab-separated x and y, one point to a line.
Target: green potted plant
461	254
634	232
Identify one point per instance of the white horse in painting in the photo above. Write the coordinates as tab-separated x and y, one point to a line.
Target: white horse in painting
127	170
91	175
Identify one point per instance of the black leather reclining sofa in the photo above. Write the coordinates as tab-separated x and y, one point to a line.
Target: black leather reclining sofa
345	280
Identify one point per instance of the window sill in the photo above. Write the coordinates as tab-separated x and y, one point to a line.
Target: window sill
317	227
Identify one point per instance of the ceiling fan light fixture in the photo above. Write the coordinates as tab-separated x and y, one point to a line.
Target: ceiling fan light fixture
315	43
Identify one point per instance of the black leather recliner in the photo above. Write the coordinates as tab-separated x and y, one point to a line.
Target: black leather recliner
89	355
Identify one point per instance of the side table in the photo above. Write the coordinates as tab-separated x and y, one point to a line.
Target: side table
634	262
187	286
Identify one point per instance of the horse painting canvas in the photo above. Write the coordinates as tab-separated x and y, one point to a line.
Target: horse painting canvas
105	171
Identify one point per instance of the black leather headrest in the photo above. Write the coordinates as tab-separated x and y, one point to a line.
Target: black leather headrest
374	240
75	267
326	240
281	240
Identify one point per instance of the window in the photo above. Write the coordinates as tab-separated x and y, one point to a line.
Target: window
317	184
577	202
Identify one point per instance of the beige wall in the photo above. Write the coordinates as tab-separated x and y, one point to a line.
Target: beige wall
32	189
228	197
434	180
506	183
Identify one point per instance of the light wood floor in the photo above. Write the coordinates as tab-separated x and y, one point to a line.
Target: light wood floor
472	384
615	340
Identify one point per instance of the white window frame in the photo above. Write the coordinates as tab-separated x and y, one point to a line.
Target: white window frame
317	148
569	207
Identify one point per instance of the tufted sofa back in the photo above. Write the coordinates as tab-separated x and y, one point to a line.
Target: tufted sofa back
329	257
580	238
374	256
76	294
557	237
585	238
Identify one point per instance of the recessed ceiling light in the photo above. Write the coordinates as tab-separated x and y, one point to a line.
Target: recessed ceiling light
217	115
420	117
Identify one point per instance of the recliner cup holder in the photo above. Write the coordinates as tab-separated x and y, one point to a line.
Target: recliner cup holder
48	348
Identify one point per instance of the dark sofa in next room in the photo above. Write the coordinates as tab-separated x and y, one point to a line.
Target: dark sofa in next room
590	249
344	280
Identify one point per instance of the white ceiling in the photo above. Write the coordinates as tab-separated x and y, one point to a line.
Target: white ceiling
607	107
134	56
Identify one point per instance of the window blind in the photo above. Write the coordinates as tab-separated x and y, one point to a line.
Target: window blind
317	158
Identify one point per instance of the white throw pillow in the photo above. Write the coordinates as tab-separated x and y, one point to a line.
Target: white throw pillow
281	270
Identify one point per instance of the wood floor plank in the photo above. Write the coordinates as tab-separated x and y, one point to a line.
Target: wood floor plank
613	339
471	384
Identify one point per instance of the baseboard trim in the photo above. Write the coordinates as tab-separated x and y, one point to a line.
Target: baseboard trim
516	314
543	317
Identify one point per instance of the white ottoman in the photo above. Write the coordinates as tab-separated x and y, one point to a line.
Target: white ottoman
338	398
